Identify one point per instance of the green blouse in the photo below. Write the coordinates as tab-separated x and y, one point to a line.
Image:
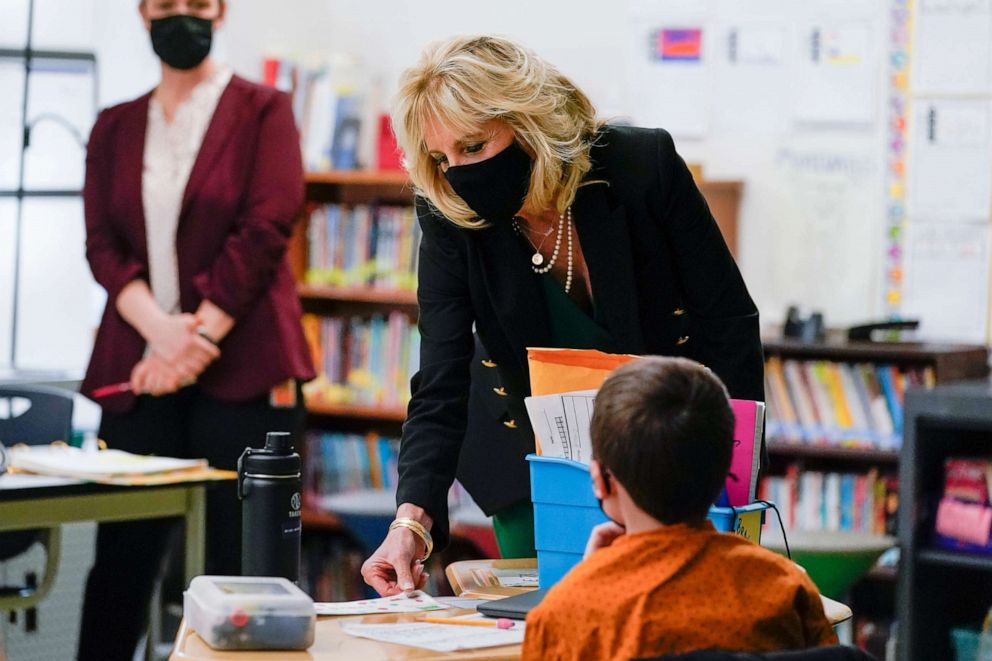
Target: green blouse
571	327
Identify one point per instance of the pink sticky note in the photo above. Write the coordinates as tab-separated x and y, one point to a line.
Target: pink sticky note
968	522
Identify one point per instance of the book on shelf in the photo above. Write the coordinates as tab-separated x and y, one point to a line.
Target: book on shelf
814	500
330	568
363	246
822	402
338	461
363	360
337	112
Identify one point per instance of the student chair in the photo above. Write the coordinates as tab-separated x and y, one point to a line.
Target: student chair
33	415
832	653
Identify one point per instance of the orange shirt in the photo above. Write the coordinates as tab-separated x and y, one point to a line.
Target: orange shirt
673	590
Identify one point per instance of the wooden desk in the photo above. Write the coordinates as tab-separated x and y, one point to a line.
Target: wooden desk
28	502
473	578
332	643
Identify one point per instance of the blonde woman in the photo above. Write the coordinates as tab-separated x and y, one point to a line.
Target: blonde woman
542	226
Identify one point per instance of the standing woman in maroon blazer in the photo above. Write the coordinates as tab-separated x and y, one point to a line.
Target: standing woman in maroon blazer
190	196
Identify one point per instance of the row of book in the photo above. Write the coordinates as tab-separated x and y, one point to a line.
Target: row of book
812	500
837	403
363	360
363	245
330	568
338	462
327	105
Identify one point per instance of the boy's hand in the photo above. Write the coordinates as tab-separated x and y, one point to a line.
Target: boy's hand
602	536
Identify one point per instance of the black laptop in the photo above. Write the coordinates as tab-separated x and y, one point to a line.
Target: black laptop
514	608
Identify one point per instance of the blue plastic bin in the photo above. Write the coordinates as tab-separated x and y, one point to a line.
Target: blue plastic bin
565	512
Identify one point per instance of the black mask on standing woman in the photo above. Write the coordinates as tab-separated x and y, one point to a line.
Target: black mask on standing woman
496	187
182	41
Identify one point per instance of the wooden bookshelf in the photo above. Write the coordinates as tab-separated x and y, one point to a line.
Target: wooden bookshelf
314	519
359	294
836	453
874	595
951	362
358	178
357	411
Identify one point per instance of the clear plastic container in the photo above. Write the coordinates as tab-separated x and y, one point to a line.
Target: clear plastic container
249	613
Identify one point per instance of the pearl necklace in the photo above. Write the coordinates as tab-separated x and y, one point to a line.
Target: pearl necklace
537	259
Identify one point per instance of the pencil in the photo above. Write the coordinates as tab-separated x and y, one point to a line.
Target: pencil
501	623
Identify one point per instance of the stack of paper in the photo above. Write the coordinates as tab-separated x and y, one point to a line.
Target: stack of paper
67	461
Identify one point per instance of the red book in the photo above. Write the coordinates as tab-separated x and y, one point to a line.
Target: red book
390	156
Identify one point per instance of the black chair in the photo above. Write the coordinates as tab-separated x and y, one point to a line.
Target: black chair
32	415
832	653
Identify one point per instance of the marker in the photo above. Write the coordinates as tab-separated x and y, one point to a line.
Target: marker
501	623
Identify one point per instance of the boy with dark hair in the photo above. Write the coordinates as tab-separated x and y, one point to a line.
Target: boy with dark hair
661	580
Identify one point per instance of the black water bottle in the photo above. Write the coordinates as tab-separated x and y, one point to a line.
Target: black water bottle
269	487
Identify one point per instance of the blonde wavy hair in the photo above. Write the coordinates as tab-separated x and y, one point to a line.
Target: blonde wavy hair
466	81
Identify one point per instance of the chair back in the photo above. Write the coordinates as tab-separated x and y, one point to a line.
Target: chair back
34	415
831	653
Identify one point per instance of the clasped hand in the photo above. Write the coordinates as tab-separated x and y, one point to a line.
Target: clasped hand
178	356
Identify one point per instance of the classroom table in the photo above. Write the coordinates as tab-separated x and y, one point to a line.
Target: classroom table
332	643
33	501
474	578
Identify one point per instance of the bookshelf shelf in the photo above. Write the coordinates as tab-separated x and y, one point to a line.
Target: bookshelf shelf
860	455
314	519
359	411
369	295
358	178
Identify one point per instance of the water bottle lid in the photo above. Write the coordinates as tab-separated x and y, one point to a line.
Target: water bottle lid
276	458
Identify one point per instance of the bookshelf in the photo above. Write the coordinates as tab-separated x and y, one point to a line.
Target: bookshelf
939	590
921	365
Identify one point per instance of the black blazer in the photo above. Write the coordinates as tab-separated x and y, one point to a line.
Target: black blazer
663	281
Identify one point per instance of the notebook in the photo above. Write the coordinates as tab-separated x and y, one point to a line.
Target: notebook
514	608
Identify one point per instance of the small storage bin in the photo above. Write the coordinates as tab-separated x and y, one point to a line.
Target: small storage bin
250	613
565	512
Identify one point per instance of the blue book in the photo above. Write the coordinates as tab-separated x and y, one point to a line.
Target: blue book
847	501
891	396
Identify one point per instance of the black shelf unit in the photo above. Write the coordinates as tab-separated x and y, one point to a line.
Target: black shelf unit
939	589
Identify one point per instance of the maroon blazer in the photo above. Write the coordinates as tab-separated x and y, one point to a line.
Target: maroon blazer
243	195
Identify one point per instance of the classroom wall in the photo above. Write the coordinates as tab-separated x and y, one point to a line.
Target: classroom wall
812	217
811	223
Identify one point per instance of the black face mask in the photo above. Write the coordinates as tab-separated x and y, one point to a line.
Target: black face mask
606	476
496	187
182	41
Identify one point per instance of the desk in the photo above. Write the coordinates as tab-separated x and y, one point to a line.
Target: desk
332	643
29	501
472	578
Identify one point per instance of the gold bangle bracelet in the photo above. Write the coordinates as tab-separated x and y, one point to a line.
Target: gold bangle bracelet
419	530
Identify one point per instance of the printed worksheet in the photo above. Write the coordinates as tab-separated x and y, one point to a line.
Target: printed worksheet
401	603
561	422
438	637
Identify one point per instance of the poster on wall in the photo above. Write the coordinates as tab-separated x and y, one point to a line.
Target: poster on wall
670	76
952	47
834	76
951	160
947	280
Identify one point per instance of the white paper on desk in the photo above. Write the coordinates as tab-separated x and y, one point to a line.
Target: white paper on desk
438	637
561	422
952	47
947	280
951	159
400	603
72	462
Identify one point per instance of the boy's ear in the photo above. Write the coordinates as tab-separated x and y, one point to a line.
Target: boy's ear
598	487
